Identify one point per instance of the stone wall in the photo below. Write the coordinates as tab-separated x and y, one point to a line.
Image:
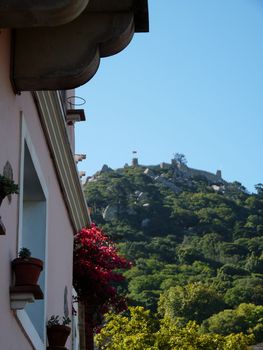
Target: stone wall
183	169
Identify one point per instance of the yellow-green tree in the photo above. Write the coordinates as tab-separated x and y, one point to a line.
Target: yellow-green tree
140	331
172	336
133	332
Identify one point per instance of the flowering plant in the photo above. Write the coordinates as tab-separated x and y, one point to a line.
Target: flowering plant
94	271
7	187
55	320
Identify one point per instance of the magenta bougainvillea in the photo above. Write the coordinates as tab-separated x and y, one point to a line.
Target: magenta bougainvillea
95	270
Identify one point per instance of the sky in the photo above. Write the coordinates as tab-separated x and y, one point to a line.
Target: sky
192	85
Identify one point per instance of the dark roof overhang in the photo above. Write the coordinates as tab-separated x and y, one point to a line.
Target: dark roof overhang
67	56
36	13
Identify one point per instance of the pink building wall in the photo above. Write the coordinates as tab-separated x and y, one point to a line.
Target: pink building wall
59	229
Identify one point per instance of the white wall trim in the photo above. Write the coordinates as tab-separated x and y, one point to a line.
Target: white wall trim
52	117
22	316
25	137
30	330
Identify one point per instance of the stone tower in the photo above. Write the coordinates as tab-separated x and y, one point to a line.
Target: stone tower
219	174
135	162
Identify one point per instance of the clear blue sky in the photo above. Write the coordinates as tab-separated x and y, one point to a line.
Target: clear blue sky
193	85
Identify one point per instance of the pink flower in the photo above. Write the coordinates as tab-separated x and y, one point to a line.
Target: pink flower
94	269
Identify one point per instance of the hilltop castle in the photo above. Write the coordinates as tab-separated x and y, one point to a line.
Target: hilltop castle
182	170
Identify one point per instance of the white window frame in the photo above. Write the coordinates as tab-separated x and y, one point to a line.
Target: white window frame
22	316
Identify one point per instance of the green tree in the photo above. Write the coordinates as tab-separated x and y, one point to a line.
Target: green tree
180	158
183	235
246	318
245	290
191	302
259	189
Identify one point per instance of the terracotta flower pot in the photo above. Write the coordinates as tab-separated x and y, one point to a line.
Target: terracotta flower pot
26	271
57	335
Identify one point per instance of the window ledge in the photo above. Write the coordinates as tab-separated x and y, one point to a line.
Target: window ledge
20	296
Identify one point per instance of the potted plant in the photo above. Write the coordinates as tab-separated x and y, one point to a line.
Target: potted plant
58	331
7	187
26	269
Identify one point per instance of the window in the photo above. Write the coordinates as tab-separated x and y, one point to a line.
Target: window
32	233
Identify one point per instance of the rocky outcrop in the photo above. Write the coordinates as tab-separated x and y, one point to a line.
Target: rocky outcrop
106	169
166	183
110	212
145	222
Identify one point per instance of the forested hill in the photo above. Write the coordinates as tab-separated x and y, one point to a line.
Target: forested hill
195	239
